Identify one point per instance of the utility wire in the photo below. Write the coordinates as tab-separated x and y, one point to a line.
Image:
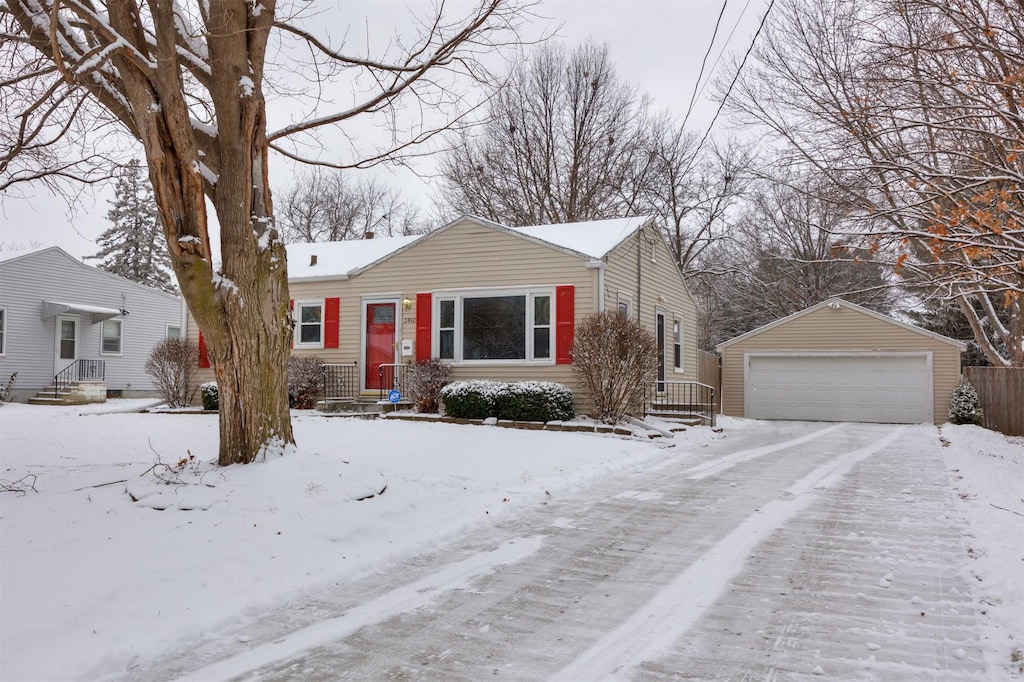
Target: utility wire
704	62
721	52
728	91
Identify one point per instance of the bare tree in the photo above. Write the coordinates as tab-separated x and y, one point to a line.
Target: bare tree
693	189
190	83
325	206
786	254
560	142
912	109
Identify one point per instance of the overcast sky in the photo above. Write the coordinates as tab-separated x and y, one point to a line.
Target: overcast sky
656	44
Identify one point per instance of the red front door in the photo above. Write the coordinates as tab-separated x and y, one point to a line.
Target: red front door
380	344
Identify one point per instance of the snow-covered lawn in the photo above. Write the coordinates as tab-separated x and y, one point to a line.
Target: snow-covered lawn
90	579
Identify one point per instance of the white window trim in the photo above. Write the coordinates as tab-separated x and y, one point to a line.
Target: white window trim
296	333
167	331
681	368
530	293
3	332
120	344
628	300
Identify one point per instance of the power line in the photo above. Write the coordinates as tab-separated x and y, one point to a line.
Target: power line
704	62
728	91
721	52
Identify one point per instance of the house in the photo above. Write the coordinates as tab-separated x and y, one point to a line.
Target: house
837	361
496	302
88	328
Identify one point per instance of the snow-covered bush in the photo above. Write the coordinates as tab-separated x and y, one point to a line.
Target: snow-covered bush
471	399
7	391
424	381
965	407
535	401
540	401
210	395
305	381
173	364
612	357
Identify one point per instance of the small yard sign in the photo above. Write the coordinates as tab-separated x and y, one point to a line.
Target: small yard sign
394	396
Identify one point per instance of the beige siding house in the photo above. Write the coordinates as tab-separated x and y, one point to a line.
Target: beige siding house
837	361
496	302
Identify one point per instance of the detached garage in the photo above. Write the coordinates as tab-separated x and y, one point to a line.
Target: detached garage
837	361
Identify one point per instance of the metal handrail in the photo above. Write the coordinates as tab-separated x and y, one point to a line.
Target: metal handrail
682	398
396	378
79	370
340	380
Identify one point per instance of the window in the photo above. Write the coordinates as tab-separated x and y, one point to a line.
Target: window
499	326
625	304
111	337
173	331
309	330
677	344
3	331
446	330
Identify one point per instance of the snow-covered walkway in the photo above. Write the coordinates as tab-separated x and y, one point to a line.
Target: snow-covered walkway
795	551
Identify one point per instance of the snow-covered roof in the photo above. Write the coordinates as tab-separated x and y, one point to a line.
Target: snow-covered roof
338	259
594	238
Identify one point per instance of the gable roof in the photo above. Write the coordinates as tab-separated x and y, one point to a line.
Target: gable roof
593	238
122	281
341	260
840	303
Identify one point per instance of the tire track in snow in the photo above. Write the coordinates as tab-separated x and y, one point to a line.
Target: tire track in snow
651	630
702	471
400	600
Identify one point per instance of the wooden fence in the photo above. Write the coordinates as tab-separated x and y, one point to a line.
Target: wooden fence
709	372
1001	390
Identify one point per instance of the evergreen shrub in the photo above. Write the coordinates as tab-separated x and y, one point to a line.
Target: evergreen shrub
210	395
540	401
965	407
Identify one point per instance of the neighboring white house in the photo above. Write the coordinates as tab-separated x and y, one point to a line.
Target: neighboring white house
61	316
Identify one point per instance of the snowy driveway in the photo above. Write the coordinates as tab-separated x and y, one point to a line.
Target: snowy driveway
795	551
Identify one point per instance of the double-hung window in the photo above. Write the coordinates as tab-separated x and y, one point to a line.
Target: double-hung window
513	326
677	344
111	337
309	327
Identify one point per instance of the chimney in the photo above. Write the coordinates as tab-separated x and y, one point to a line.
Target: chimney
368	235
312	260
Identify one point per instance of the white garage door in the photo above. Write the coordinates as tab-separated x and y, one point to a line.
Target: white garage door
863	387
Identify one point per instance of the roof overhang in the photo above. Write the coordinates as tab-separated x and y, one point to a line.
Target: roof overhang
54	308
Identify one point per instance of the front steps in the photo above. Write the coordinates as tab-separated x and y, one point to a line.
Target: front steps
75	393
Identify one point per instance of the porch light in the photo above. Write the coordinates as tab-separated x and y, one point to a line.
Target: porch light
406	303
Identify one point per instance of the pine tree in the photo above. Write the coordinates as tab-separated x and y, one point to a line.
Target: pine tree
965	407
134	247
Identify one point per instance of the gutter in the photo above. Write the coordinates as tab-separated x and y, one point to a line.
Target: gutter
599	266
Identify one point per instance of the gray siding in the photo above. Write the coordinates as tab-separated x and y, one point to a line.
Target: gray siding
52	274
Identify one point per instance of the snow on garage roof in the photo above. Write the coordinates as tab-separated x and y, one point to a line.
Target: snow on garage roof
337	259
593	238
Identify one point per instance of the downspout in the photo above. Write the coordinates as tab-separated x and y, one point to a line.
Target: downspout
639	265
599	266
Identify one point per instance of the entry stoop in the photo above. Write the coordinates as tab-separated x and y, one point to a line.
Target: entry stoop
75	393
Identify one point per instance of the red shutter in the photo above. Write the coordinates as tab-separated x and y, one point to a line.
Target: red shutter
204	353
424	306
565	322
291	307
331	320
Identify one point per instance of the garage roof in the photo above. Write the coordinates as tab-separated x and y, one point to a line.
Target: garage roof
840	303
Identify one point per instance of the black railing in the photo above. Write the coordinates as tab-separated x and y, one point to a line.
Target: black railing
390	379
79	370
681	399
341	382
